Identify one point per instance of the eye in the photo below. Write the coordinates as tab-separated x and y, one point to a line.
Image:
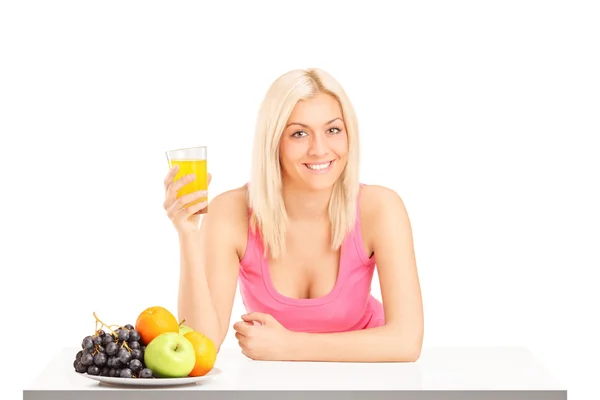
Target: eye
334	130
298	134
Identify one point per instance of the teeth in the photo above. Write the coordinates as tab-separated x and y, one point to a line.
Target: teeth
318	166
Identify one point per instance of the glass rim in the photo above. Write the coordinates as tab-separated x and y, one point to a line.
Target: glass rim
186	148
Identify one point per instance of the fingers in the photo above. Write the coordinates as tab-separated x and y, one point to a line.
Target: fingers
169	178
178	205
243	335
180	182
174	187
241	339
243	327
256	316
187	212
193	209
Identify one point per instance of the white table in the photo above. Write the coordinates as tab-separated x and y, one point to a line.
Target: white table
440	373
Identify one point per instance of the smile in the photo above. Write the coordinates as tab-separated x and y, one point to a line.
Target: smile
319	167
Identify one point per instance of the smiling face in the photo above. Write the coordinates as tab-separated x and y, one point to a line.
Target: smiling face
314	146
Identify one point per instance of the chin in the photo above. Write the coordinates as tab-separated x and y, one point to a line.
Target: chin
319	186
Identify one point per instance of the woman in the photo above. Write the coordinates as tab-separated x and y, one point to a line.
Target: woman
302	238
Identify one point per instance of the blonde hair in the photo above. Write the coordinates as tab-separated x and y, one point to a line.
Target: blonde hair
265	187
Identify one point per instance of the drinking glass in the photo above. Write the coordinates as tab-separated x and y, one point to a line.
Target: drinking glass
191	160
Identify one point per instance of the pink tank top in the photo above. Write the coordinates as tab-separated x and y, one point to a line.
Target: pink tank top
349	306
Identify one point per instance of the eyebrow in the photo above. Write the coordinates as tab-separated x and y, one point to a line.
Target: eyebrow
306	126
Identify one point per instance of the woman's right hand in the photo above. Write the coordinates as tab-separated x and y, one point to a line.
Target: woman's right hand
184	219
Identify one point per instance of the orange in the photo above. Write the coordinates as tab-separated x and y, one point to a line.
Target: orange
154	321
206	353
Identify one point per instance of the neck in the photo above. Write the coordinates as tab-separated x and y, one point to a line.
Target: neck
306	204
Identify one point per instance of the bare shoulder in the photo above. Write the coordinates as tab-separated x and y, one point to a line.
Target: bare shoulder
378	200
380	206
233	200
228	212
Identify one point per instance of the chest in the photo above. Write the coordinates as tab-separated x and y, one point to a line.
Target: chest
309	269
312	288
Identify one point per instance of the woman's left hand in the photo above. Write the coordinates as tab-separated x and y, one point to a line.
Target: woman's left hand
267	340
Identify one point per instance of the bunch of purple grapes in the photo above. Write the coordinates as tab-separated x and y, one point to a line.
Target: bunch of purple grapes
118	355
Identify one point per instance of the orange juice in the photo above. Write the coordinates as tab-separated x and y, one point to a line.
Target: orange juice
197	167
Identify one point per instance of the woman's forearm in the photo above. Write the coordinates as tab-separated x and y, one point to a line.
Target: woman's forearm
195	303
381	344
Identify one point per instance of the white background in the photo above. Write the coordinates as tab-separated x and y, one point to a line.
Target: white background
481	115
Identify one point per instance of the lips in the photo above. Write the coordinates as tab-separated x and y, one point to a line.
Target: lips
318	166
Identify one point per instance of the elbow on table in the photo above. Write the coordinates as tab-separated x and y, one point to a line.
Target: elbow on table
413	354
407	354
408	347
218	342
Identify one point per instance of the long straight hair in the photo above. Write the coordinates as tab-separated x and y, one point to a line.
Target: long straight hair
265	199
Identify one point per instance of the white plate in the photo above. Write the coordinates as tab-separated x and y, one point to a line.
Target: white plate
188	380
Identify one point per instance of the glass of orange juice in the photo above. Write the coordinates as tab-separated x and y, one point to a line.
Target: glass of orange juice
191	160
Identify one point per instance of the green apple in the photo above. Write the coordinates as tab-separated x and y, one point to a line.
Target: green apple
170	355
183	329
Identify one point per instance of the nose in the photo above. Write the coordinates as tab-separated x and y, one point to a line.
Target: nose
318	146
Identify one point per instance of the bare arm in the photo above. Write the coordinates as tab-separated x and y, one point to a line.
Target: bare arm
209	270
400	339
